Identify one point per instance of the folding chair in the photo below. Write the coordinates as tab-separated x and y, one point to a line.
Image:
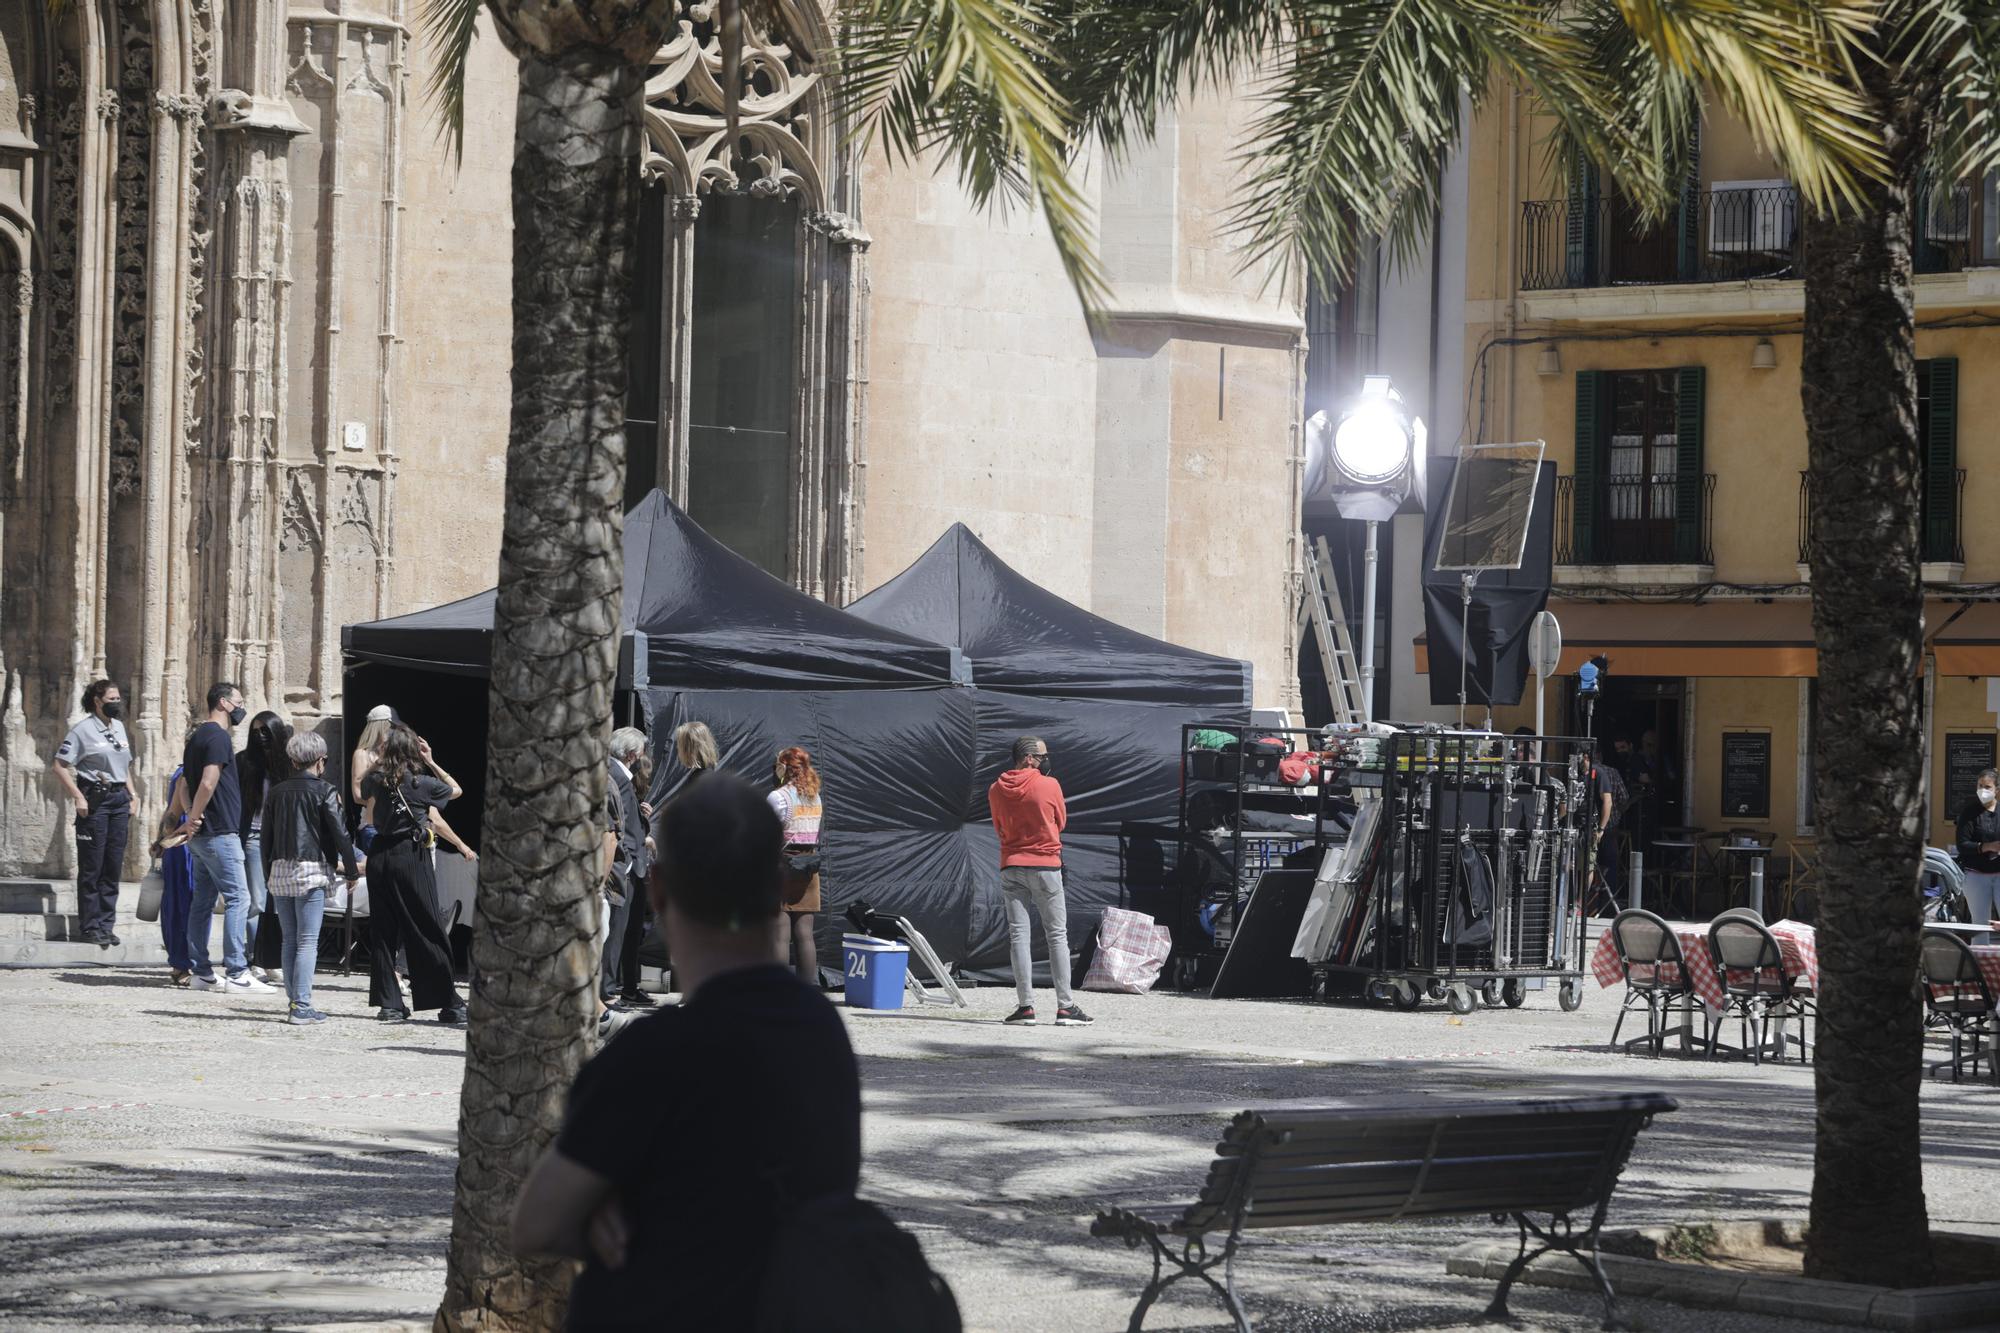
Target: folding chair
1656	976
1755	986
1957	998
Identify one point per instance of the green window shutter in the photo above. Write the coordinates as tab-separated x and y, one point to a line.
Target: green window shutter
1941	460
1580	234
1688	223
1690	389
1590	423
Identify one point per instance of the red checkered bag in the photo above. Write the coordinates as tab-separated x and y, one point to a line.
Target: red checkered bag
1131	950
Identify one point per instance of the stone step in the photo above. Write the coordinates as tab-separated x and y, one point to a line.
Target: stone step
138	950
33	897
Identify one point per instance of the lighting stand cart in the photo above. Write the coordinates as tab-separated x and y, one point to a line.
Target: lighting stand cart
1239	818
1462	879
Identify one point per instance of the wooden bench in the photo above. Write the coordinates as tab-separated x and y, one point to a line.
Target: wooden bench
1387	1162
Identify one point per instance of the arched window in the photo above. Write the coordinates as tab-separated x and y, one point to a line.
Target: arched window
739	401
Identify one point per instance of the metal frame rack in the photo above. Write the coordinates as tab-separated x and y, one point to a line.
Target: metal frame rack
1453	803
1247	853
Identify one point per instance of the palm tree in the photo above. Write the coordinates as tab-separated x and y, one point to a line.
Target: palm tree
1860	101
556	623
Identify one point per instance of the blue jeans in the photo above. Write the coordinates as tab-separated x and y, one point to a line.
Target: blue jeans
1982	895
253	876
218	870
300	917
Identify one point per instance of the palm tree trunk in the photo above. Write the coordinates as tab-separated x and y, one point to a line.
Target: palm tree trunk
1859	389
555	650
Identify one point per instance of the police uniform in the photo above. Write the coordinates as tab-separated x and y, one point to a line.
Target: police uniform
99	753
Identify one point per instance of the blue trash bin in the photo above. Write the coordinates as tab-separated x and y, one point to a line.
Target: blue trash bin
875	971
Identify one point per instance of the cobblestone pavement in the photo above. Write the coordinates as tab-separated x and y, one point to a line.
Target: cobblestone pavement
178	1160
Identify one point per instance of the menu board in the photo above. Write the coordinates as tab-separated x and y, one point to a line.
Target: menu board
1967	754
1746	775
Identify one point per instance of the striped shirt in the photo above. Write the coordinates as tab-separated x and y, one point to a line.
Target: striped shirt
800	813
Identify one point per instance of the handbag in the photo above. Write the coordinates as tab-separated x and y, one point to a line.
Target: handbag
152	888
802	863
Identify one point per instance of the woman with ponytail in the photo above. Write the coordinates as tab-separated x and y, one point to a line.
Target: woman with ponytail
797	803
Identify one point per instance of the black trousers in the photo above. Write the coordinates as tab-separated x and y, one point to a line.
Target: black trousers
100	855
403	913
621	944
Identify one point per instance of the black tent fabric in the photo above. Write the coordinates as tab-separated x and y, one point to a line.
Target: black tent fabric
905	750
1021	637
1504	605
696	615
1109	701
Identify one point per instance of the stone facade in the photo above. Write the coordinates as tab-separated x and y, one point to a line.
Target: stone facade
254	339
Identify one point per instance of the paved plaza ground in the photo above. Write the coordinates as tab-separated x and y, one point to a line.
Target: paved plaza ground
211	1167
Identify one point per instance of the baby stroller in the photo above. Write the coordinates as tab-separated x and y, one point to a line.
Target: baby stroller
1943	887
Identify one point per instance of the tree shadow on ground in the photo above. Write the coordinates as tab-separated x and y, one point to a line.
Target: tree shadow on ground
1020	1192
313	1210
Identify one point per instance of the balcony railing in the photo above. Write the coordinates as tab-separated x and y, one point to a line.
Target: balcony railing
1635	521
1734	235
1941	534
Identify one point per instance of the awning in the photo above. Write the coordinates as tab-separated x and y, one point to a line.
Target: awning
1969	645
1717	638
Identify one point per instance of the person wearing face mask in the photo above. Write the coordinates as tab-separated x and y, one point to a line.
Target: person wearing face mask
214	800
1979	851
94	765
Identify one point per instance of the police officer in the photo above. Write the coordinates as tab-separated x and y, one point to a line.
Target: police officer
94	765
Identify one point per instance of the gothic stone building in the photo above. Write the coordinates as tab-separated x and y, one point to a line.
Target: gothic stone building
254	341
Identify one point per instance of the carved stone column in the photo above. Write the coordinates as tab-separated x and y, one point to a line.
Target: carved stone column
842	373
253	281
675	347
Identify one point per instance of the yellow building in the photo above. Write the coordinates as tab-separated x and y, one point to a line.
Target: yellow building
1662	369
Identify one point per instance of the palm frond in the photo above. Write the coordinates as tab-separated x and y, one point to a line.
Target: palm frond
973	80
1657	105
451	26
1369	100
1789	70
1125	61
1953	46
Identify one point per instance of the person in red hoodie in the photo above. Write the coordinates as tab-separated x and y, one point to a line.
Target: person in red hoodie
1028	814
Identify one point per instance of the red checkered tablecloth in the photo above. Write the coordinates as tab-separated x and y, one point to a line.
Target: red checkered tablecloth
1989	964
1795	943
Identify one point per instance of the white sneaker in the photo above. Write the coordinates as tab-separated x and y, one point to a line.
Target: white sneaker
199	982
243	983
260	974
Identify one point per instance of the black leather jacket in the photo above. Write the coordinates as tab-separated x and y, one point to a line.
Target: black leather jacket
1976	826
302	822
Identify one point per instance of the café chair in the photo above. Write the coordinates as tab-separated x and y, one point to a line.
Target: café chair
1656	977
1755	985
1740	914
1957	998
1802	883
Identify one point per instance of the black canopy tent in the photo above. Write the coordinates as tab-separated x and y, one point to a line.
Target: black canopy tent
708	635
876	694
1108	700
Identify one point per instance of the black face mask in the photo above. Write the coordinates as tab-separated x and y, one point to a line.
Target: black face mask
237	714
114	710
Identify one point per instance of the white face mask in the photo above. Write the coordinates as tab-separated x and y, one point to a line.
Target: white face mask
1986	796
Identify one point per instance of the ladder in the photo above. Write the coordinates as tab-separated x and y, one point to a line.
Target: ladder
1322	610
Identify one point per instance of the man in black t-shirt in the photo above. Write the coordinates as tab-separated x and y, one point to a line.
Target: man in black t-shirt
695	1129
214	804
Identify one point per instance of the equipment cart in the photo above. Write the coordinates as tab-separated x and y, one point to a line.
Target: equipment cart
1250	801
1462	875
